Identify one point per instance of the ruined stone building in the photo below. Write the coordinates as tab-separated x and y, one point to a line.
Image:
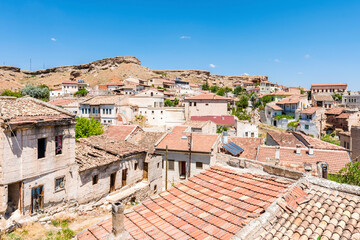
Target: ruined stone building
37	158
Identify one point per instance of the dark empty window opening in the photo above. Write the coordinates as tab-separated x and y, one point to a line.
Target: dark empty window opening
58	144
41	147
199	165
171	164
158	165
13	133
155	188
59	183
194	104
95	179
136	166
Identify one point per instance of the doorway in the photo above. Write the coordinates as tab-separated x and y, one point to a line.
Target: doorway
14	197
112	181
146	171
37	199
124	177
182	169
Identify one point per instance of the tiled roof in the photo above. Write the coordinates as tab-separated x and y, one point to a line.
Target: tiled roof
61	101
207	96
214	204
316	213
310	110
195	124
30	110
178	140
249	144
344	115
285	139
102	100
335	111
120	132
321	86
145	140
323	97
291	99
275	107
74	82
335	158
317	143
219	120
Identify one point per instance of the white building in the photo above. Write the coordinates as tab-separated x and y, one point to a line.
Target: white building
351	99
246	129
69	88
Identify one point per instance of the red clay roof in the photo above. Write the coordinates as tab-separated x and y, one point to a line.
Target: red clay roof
329	85
74	82
335	158
249	144
61	101
120	132
289	100
176	140
275	107
310	110
335	111
207	96
344	115
214	204
285	139
219	120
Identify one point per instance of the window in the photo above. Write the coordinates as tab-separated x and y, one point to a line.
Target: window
252	134
59	183
152	94
161	112
109	111
194	104
158	165
155	188
13	133
58	144
190	104
95	179
246	134
171	164
82	111
152	112
93	110
307	127
136	166
199	165
206	104
103	111
41	147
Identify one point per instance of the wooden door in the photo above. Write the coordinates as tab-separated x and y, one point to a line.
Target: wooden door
37	199
146	171
112	181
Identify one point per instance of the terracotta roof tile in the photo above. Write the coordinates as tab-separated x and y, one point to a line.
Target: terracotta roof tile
219	120
317	143
214	204
250	146
61	101
121	132
102	100
344	115
336	159
328	85
310	110
323	97
335	111
291	99
178	140
285	139
207	96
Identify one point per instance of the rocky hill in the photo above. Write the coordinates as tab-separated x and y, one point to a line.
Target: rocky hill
108	70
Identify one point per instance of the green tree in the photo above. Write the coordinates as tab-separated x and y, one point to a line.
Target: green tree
337	97
214	89
87	127
350	174
10	93
81	93
221	92
205	86
238	90
243	101
221	129
227	89
40	92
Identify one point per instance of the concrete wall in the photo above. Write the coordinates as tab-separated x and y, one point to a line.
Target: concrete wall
168	116
155	173
246	129
205	108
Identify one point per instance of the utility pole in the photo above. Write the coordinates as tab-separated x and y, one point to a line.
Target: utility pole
166	168
190	145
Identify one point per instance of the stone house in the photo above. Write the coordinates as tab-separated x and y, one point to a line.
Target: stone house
346	119
323	100
329	88
220	121
106	109
246	129
69	88
107	165
331	115
350	140
267	87
206	105
37	158
351	99
312	121
205	127
183	147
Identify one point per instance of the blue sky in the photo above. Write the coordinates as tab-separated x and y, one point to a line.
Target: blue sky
294	42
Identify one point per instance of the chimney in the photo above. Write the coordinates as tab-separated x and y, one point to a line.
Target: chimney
225	138
277	152
322	168
311	150
298	149
118	229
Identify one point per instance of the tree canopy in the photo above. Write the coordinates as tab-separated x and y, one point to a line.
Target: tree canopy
87	127
40	92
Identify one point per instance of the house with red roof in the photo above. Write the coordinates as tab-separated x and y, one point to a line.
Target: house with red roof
70	87
187	153
207	104
220	121
312	121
